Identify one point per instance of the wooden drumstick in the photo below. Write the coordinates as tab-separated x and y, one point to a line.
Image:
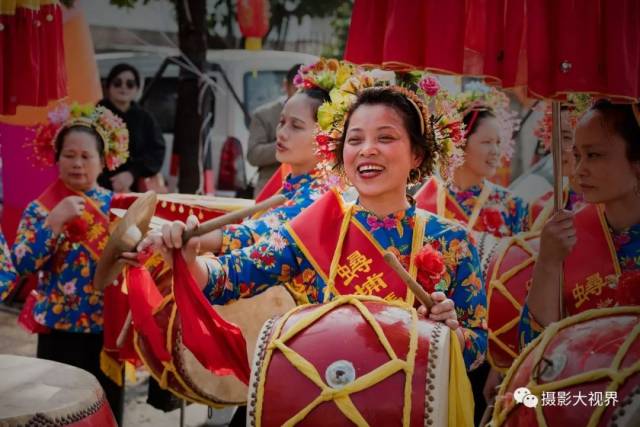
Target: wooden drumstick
124	331
232	217
414	286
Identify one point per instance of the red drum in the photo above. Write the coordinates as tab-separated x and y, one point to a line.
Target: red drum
38	392
184	375
356	360
582	371
508	279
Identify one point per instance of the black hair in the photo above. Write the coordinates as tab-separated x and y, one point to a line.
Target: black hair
59	142
393	98
473	118
291	74
620	118
121	68
318	95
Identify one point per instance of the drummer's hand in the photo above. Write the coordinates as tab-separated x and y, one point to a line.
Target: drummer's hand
558	238
164	241
443	310
172	238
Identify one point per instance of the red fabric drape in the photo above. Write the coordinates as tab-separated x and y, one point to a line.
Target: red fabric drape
216	343
144	297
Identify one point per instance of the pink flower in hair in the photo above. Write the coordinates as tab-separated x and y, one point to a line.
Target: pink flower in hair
429	85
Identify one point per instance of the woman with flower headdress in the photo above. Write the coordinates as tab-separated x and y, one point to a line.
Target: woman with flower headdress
604	269
469	197
62	233
381	139
295	146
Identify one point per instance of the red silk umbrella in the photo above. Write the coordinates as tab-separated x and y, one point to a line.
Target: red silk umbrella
452	37
32	70
551	47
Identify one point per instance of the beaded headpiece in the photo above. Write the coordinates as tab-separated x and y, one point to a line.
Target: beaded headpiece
111	129
440	124
478	97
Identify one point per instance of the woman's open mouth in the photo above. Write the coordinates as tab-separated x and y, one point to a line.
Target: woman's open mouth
370	170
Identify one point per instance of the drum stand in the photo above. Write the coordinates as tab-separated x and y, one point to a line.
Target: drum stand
182	412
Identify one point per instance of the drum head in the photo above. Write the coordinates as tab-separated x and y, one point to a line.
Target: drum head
31	387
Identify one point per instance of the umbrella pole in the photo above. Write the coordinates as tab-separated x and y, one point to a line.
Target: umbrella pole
558	202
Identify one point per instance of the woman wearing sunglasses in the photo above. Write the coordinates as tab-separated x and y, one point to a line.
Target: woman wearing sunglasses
146	145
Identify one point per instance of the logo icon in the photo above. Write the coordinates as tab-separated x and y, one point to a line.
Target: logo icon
530	401
523	395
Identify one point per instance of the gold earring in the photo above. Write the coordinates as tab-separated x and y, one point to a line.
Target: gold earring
415	176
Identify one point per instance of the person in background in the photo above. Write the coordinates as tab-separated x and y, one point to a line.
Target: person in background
261	151
146	144
61	236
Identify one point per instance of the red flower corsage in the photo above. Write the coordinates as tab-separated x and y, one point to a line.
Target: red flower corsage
431	268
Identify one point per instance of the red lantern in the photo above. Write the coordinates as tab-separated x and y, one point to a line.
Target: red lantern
253	19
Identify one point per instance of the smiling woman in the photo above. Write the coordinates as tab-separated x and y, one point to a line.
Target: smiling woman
470	198
386	142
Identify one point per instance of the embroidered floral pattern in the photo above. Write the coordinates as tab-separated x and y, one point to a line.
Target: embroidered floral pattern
301	191
7	271
67	300
278	260
503	214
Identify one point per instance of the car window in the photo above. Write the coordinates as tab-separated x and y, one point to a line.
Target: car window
261	87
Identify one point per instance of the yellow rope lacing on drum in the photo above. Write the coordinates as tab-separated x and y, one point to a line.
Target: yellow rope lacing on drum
341	397
618	376
498	284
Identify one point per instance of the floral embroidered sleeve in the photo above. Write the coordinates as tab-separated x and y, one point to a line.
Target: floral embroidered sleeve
247	233
7	271
517	215
468	294
249	271
528	329
35	243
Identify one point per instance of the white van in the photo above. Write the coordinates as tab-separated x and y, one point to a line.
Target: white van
242	80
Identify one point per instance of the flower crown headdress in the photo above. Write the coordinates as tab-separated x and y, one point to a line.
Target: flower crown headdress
478	97
107	125
341	81
441	126
577	104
